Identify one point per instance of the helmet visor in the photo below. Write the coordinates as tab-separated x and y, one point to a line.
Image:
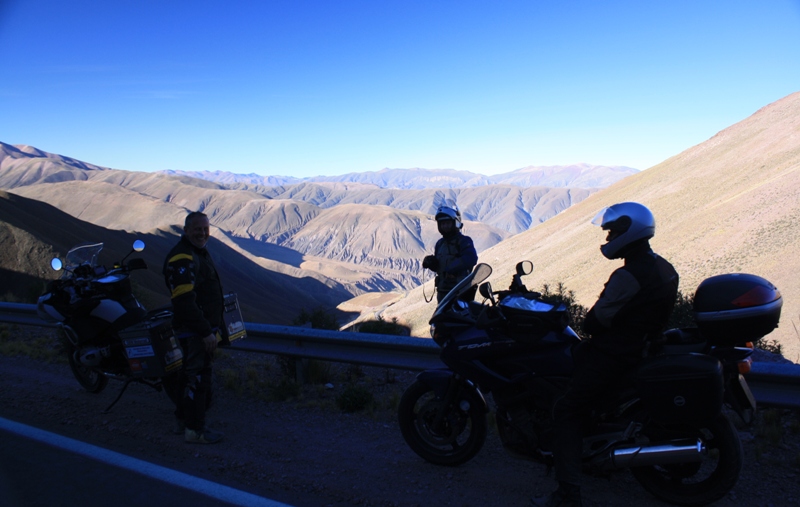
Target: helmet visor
445	213
605	216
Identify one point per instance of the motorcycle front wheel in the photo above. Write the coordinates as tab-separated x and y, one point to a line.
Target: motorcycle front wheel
697	483
441	432
91	380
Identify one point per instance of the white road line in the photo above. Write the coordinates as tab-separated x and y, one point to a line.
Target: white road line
182	480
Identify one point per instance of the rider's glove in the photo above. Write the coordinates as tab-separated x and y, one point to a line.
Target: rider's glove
430	262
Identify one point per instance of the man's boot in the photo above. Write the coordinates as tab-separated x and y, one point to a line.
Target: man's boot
205	436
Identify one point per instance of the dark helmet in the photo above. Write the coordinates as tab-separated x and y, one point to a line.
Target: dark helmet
449	213
626	223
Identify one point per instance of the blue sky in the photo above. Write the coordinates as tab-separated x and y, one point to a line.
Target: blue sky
307	88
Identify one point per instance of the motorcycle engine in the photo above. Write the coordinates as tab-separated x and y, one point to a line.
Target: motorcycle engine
93	356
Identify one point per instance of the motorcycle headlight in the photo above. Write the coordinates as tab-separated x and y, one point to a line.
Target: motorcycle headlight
433	330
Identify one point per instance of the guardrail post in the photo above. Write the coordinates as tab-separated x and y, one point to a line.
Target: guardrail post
300	369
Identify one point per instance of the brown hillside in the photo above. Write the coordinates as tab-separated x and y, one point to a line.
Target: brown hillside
32	232
355	235
727	205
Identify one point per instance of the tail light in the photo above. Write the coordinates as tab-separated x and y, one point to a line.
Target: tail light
745	366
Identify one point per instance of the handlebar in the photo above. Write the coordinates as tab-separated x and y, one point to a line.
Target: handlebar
85	274
122	269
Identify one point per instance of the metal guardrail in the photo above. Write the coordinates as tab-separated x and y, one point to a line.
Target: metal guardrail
772	384
398	352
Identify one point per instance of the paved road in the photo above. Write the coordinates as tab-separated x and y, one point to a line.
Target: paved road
38	468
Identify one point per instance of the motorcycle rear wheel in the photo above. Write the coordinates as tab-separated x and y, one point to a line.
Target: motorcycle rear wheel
453	441
91	380
694	484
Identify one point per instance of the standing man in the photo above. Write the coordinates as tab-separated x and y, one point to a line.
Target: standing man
198	306
634	306
454	255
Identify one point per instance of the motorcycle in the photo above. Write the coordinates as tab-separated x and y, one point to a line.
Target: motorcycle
668	423
105	331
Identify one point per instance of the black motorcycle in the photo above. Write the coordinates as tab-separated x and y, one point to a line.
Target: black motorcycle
668	423
105	331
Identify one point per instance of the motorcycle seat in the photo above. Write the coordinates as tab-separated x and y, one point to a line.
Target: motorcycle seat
682	341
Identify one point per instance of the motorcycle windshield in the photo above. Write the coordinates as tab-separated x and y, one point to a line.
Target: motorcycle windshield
80	255
478	275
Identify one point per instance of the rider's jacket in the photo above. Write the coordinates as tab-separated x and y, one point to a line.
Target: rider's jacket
195	289
457	256
636	302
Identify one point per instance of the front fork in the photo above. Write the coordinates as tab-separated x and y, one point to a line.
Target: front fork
448	387
68	336
448	400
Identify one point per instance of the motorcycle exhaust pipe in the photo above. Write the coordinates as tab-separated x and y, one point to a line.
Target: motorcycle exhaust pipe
676	451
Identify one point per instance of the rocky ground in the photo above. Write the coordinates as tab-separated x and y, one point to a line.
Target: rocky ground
305	451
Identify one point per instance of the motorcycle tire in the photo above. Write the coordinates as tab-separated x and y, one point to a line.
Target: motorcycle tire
91	380
455	440
698	483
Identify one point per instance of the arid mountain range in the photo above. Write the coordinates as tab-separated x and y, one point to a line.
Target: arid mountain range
726	205
33	232
359	236
730	204
573	176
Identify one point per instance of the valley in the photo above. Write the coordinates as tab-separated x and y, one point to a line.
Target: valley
726	205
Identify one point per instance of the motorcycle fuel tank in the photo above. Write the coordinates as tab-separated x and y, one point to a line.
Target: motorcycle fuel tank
108	310
547	356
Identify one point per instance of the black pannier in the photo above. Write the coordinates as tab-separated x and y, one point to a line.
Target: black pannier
151	348
734	309
681	388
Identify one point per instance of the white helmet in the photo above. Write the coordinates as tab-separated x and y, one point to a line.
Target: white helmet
626	223
450	212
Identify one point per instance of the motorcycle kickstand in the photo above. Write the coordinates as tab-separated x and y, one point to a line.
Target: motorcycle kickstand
121	392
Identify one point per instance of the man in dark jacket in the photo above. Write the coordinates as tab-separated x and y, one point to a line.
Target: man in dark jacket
198	306
454	255
634	306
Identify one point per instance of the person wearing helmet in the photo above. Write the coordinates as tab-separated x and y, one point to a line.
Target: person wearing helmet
633	308
454	254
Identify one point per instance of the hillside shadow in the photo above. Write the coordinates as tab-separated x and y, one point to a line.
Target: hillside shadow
271	297
20	287
269	251
265	296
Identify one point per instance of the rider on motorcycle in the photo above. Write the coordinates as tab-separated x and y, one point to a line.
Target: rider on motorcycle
634	306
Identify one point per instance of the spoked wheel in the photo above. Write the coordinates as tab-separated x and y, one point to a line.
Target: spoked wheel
443	433
698	483
91	380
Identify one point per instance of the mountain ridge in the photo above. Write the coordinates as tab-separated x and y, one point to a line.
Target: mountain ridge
32	232
726	205
580	175
295	218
